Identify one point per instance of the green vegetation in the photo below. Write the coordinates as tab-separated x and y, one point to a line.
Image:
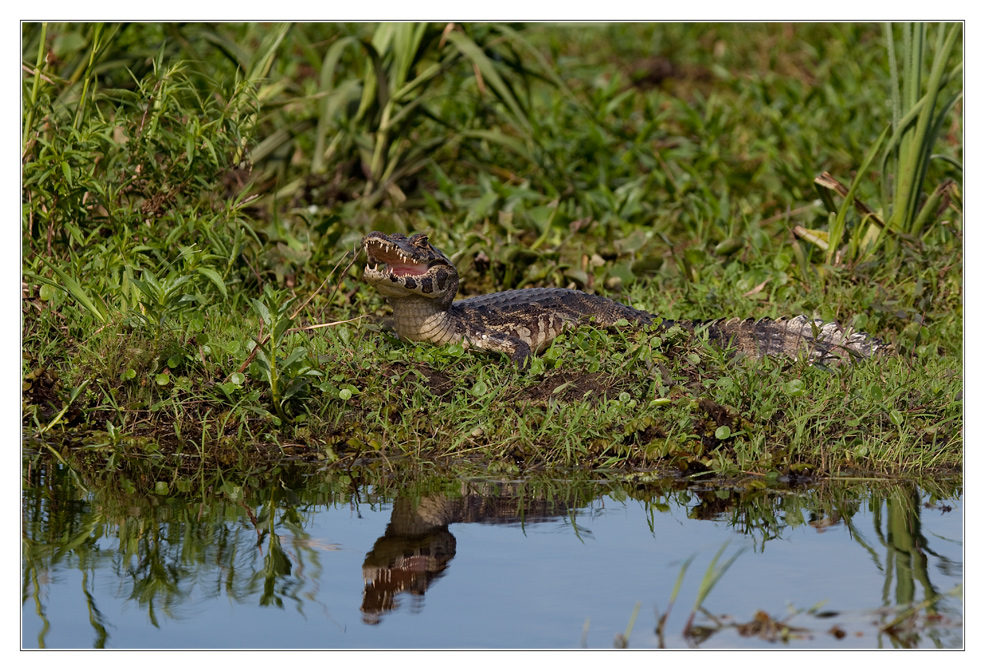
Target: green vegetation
193	195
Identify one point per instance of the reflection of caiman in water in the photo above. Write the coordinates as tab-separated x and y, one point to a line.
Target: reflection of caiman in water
417	546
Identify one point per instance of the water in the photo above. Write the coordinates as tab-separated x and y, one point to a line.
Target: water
325	562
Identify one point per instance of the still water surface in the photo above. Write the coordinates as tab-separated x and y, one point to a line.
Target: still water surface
448	564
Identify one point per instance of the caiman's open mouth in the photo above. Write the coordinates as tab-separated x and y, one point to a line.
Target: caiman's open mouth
399	266
393	260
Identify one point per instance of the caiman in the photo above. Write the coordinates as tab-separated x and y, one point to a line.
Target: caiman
420	284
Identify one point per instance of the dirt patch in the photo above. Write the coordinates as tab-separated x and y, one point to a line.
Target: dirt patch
656	71
569	386
439	383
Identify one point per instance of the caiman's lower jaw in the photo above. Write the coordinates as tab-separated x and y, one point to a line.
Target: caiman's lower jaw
384	269
388	282
402	279
397	270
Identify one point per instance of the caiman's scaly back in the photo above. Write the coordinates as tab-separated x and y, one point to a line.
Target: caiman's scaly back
420	284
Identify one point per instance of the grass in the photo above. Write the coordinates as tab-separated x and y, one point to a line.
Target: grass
193	195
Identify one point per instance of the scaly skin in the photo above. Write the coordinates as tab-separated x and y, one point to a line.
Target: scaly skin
420	284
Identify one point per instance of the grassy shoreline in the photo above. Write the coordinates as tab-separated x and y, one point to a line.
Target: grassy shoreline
190	210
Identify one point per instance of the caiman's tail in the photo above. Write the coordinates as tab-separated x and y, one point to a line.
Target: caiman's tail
820	342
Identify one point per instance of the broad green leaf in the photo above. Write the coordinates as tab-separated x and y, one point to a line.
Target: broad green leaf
215	278
261	310
77	292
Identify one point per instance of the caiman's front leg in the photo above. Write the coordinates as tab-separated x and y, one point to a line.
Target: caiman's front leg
518	350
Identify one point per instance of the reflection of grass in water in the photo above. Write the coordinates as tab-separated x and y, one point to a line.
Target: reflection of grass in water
712	575
622	640
904	629
662	622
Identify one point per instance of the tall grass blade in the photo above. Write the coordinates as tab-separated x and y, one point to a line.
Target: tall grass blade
473	52
407	39
916	144
333	98
234	52
838	228
87	77
35	87
902	126
374	82
894	92
546	69
259	66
